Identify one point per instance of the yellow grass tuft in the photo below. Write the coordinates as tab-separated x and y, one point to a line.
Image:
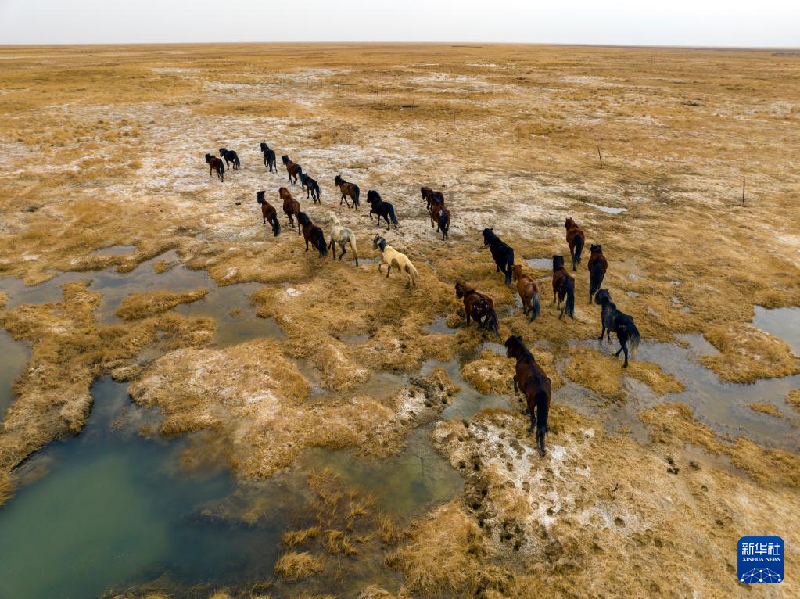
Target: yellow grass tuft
293	566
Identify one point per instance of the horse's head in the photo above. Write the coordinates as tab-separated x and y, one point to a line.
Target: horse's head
516	271
208	158
596	248
461	290
264	147
285	159
260	197
332	217
488	235
569	223
558	262
379	243
513	345
222	152
602	297
302	218
338	180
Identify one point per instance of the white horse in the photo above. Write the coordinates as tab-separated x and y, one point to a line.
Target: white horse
391	257
341	235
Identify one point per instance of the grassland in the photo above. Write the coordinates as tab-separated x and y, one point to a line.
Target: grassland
104	146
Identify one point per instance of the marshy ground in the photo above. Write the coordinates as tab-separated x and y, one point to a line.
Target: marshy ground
324	431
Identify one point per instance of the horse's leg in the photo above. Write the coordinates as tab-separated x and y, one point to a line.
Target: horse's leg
602	332
341	247
386	218
516	388
388	268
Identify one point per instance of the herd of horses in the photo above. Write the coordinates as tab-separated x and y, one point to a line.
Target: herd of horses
529	378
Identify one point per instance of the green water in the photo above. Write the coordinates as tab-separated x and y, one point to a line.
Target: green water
13	355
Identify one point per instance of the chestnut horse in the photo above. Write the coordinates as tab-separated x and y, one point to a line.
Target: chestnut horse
575	239
598	265
291	207
269	158
294	170
479	307
528	290
269	213
312	233
534	384
563	285
347	189
215	164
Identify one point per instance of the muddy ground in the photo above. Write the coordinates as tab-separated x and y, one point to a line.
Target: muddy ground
103	147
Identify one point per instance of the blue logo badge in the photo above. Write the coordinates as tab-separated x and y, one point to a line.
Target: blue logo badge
760	559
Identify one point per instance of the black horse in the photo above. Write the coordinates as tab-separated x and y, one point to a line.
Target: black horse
269	158
381	208
311	186
444	221
501	252
230	157
312	233
617	322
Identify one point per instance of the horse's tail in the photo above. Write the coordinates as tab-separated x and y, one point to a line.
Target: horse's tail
391	213
536	307
570	305
491	322
509	265
578	249
634	337
542	409
412	271
276	225
356	193
595	278
353	247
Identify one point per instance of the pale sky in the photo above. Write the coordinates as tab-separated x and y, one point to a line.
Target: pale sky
770	23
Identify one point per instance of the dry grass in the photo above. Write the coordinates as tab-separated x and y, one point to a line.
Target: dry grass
793	398
142	305
766	408
293	538
296	566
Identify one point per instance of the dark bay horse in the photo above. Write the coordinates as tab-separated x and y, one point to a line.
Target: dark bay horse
230	157
501	252
312	233
294	170
215	164
269	213
598	265
575	239
528	290
479	307
431	196
534	384
311	186
347	189
615	321
269	158
381	208
563	285
291	207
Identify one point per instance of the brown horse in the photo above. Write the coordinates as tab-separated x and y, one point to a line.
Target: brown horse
575	239
528	290
534	384
291	207
312	233
563	285
598	265
479	307
269	213
215	164
294	170
431	196
436	207
347	189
